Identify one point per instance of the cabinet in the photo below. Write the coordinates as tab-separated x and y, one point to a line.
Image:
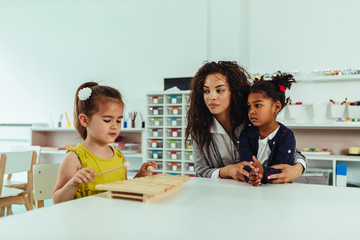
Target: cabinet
53	140
165	133
329	162
337	137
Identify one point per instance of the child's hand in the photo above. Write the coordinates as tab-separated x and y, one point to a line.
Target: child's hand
256	174
146	169
254	178
84	175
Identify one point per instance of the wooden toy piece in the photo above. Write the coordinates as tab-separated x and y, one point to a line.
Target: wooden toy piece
150	168
126	165
145	188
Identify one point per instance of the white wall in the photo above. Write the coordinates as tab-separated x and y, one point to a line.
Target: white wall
228	23
48	48
306	35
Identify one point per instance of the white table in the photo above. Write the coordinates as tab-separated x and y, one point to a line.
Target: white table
201	209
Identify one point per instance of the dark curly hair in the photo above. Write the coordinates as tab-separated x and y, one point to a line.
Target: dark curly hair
99	95
200	118
274	88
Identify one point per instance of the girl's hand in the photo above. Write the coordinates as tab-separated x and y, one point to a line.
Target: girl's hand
254	178
236	171
288	173
84	175
144	170
257	173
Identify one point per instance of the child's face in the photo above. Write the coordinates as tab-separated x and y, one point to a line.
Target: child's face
262	111
105	125
217	94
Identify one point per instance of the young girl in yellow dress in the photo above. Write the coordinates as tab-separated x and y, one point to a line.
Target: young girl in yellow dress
97	115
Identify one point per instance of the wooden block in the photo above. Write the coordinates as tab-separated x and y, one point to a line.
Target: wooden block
145	188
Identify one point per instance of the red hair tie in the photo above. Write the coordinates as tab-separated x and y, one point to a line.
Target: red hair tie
282	88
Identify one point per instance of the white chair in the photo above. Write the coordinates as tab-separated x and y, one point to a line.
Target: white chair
17	162
45	176
19	180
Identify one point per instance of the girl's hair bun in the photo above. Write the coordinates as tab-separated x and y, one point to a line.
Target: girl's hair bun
283	80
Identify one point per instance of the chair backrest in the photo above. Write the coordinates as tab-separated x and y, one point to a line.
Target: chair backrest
19	161
35	148
45	176
2	170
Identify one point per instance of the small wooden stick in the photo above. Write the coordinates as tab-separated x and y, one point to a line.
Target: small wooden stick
126	165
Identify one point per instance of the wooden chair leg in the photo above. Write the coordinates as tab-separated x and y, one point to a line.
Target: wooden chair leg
9	177
2	212
39	204
9	210
31	198
28	206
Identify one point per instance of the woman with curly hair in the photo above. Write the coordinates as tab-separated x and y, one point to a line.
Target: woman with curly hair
216	117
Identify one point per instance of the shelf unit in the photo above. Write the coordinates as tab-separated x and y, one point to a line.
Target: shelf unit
310	78
165	133
59	137
337	137
335	125
330	161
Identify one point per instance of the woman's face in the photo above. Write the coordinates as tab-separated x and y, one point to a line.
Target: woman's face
217	94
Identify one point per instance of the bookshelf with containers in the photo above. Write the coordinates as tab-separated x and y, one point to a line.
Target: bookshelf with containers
325	132
165	133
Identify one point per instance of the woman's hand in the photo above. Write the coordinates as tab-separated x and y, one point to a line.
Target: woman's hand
84	175
146	169
288	173
236	171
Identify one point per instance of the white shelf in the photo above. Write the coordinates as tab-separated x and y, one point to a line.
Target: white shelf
331	78
309	78
172	116
333	157
47	129
63	152
176	172
169	93
157	127
174	104
155	159
156	105
164	99
172	160
173	149
332	160
335	125
133	155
